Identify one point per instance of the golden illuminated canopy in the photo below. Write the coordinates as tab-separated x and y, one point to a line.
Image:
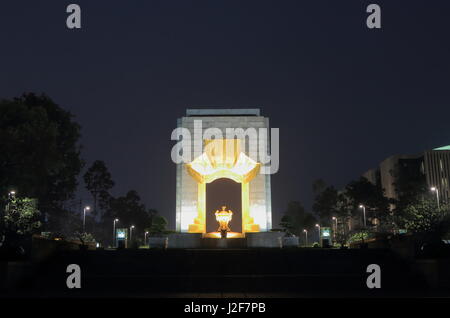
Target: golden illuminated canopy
223	159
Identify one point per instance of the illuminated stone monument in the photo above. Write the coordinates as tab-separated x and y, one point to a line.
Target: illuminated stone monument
214	159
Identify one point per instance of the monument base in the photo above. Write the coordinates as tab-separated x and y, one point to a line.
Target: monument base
251	240
265	239
224	243
291	241
185	240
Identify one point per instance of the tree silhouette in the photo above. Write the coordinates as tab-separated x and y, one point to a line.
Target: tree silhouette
326	204
40	154
362	191
98	182
299	217
131	211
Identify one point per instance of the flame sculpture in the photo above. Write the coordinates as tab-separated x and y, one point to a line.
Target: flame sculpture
224	217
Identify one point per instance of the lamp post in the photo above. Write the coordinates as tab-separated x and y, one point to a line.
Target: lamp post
86	208
114	232
11	195
318	231
131	231
145	238
434	189
364	213
3	213
306	236
335	226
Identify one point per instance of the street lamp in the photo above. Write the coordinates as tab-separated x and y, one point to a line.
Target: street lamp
364	213
335	226
11	195
131	231
86	208
434	189
318	229
306	236
145	238
114	231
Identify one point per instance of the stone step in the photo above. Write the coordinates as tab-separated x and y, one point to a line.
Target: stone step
233	270
214	243
231	283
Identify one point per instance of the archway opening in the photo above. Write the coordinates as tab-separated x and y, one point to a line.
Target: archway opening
223	192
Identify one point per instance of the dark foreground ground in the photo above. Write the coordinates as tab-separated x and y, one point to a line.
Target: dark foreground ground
241	273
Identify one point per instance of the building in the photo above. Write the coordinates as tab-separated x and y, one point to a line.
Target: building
394	167
223	172
431	166
373	175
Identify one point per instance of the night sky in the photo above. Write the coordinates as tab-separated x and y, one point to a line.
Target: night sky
344	97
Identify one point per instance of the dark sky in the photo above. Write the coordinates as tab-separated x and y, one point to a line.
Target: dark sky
344	97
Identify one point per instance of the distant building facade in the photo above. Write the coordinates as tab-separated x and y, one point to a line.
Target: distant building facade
373	175
433	166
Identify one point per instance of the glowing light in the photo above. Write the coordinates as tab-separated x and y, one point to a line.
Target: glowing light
224	217
443	148
222	159
229	235
257	220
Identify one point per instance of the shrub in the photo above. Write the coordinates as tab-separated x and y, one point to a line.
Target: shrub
158	226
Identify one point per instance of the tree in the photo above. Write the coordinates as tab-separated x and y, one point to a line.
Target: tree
410	187
158	226
84	237
98	182
364	192
130	211
326	204
40	154
300	217
423	216
344	205
151	214
287	224
68	222
22	216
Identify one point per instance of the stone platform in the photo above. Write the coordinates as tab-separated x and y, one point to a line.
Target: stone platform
251	240
140	273
224	243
